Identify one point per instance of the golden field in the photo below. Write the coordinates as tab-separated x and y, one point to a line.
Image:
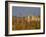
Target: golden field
25	23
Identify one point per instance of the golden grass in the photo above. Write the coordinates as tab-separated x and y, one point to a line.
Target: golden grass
24	24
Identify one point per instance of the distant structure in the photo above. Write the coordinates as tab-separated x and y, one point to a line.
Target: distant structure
28	18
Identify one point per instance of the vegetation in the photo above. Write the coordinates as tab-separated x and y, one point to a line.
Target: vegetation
21	23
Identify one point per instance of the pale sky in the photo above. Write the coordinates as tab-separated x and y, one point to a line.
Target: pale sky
25	11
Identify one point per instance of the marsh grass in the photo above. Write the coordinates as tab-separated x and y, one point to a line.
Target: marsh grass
22	24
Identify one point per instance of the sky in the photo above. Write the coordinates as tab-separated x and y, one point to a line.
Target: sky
25	11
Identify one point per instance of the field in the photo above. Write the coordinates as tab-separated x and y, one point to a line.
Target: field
25	23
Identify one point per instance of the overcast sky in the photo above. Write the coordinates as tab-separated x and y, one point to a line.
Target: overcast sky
25	11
